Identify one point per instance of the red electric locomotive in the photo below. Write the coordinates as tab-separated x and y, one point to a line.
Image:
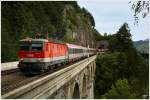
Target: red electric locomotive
37	55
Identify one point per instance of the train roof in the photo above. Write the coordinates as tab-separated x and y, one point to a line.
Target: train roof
92	49
42	40
30	39
75	46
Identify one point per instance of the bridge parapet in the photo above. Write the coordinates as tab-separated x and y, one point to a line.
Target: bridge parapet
9	65
71	82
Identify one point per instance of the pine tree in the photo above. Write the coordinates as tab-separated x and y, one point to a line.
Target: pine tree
124	38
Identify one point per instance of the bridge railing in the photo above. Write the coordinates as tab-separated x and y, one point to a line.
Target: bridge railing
9	65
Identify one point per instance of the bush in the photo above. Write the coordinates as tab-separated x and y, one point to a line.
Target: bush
120	90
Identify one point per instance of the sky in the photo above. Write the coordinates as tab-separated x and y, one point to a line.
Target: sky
109	16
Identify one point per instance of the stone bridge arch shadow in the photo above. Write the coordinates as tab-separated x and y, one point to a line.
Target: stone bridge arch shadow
84	88
76	92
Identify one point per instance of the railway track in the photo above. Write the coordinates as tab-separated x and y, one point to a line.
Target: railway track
6	72
13	79
17	79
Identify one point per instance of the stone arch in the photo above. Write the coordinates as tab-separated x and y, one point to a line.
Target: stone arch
76	92
94	69
60	94
84	87
88	74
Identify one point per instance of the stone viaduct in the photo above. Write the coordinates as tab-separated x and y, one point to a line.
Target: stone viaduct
73	82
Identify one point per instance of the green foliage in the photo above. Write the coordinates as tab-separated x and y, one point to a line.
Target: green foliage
120	90
121	41
87	14
97	36
140	7
114	66
69	40
105	72
124	38
121	62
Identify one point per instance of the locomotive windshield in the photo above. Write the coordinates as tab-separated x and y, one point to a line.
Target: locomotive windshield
36	46
33	46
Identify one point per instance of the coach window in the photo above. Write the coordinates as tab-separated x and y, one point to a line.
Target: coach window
74	51
69	50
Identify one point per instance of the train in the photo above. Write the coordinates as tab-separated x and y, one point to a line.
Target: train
40	55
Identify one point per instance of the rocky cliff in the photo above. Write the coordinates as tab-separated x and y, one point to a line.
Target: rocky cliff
66	20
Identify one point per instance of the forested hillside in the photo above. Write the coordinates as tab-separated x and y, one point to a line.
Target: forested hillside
121	73
25	19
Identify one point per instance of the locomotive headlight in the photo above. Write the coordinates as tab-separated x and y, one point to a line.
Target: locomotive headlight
21	59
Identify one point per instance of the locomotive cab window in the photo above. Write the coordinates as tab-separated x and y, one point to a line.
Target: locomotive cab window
33	46
36	46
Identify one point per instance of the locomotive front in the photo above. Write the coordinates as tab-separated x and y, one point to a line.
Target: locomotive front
31	55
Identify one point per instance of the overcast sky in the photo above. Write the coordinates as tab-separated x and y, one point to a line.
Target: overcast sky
109	15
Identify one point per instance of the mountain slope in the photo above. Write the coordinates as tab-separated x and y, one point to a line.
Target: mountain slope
142	45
